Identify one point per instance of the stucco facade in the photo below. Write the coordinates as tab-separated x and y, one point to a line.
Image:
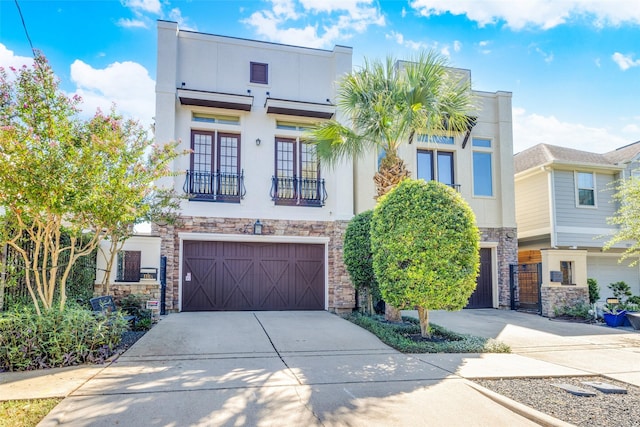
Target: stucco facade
219	95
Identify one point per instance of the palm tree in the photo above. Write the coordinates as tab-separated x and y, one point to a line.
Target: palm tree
388	104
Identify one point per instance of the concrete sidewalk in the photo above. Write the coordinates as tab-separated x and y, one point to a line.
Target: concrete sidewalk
286	368
593	349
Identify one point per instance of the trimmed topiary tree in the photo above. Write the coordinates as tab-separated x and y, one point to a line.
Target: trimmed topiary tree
358	257
425	248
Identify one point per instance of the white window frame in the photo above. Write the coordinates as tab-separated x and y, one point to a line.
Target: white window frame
576	176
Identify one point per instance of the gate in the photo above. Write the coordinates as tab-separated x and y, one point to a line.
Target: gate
529	282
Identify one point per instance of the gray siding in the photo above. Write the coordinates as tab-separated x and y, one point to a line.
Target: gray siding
568	214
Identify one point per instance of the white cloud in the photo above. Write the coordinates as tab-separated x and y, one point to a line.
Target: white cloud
183	23
484	47
8	59
314	23
151	6
530	129
547	56
543	14
131	23
444	49
127	84
625	61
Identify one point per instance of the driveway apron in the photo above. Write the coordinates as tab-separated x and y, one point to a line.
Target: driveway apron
275	369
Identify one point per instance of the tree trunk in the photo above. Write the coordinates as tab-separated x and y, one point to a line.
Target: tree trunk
391	172
423	315
391	314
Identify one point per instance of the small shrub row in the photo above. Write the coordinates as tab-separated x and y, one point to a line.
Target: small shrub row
398	336
580	311
57	338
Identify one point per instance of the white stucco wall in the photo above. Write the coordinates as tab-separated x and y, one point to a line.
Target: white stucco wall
211	63
149	247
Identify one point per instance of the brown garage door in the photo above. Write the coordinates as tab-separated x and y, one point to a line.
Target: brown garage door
252	276
482	297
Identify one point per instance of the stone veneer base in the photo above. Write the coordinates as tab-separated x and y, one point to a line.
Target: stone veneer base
341	292
560	296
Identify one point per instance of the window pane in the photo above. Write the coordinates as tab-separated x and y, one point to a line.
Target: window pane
566	267
585	180
585	197
445	168
482	174
202	152
479	142
308	161
425	165
437	139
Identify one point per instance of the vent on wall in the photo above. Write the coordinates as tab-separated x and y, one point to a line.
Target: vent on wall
259	73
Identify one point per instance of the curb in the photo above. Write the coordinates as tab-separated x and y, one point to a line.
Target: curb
520	409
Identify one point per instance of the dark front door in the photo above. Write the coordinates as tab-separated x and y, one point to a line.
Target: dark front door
482	297
252	276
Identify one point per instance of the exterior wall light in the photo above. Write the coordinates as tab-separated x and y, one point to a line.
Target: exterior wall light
257	227
258	141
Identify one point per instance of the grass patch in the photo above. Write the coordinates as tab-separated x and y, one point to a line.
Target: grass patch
399	336
25	413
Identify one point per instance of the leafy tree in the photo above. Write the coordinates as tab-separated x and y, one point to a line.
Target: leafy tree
358	258
425	248
387	107
60	175
626	218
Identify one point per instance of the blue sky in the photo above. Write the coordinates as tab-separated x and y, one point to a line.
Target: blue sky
573	66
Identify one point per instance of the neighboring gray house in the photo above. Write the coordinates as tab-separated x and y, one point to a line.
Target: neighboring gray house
563	199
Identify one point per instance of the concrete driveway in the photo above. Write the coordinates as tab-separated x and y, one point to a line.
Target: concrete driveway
283	369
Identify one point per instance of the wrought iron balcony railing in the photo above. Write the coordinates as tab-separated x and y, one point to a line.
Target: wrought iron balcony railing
214	187
294	191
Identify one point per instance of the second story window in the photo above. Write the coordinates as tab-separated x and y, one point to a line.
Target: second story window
437	166
585	188
297	174
482	167
215	173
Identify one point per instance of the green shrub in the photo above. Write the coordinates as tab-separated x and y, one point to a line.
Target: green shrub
134	305
358	258
594	291
634	300
580	310
621	290
55	339
425	248
398	336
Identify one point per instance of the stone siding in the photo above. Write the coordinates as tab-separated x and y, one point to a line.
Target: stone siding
148	290
341	292
507	254
559	296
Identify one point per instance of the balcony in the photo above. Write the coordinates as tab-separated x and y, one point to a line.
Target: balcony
294	191
214	187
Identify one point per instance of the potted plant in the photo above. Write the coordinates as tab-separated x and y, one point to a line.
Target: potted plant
614	311
613	315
